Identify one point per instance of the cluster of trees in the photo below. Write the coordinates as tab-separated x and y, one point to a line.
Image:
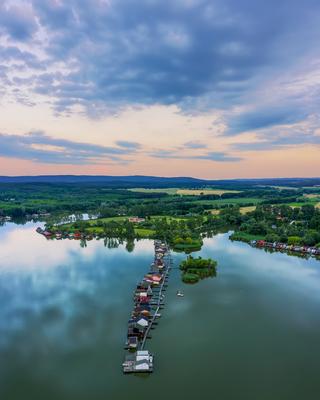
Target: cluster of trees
112	229
187	244
181	233
275	223
284	224
194	269
22	199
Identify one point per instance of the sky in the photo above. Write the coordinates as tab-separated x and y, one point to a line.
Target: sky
203	88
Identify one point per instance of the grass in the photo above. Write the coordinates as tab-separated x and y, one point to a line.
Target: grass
297	204
199	192
123	218
146	233
245	237
243	210
143	232
312	196
162	190
94	221
303	203
168	218
109	219
188	247
215	211
94	229
246	210
184	192
238	200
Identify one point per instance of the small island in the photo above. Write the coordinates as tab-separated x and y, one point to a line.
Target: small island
187	245
194	269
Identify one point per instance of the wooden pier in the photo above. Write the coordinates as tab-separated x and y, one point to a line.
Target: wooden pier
159	303
149	295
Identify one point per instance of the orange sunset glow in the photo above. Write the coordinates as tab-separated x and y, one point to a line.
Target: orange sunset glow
108	101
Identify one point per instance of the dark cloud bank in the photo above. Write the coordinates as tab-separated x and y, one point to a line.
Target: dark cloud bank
200	54
39	147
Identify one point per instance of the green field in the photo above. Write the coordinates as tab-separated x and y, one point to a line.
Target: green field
123	218
162	190
145	233
94	229
185	192
203	192
109	219
303	203
220	202
92	222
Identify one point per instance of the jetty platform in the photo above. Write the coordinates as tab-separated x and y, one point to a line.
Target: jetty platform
148	298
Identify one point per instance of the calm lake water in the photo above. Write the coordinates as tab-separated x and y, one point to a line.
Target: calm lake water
251	333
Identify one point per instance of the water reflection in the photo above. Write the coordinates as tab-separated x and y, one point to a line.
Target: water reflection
56	285
64	310
295	273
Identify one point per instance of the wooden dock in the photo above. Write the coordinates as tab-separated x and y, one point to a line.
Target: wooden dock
149	295
158	305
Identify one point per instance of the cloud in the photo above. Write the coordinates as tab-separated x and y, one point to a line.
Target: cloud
164	154
39	147
193	53
194	144
17	21
264	117
20	57
128	145
217	156
253	66
300	134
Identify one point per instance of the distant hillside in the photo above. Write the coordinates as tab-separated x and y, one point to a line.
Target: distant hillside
131	181
155	181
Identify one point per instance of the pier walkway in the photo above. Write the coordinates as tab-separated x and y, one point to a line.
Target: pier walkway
159	302
148	299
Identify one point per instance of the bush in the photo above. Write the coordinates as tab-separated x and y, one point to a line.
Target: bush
294	240
197	268
190	278
272	237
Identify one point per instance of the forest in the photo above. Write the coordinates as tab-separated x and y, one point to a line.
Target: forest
289	214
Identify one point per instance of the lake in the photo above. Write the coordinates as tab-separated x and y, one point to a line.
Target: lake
253	332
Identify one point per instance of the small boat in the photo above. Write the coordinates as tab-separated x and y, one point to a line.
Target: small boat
179	293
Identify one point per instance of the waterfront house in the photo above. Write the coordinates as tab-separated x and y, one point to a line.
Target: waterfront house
142	361
47	234
137	326
133	342
142	310
133	331
136	220
142	322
